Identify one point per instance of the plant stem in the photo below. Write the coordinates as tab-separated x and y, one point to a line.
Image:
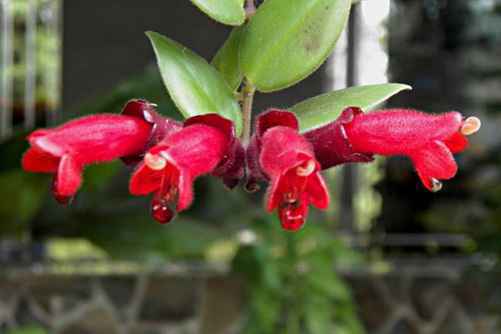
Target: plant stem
248	91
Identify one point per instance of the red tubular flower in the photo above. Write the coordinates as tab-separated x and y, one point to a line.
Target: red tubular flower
161	126
286	158
331	143
66	149
170	167
428	140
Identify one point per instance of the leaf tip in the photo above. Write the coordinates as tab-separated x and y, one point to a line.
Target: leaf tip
404	86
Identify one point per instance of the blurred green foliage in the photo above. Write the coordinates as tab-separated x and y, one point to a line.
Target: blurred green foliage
28	330
292	283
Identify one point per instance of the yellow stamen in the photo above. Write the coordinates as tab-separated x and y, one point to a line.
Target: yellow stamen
154	162
306	170
470	126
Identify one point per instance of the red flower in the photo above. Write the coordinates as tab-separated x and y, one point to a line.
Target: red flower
170	168
331	143
66	149
428	140
286	158
161	126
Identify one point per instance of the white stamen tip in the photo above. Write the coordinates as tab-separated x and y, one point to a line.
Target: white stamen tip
436	185
471	125
306	170
154	162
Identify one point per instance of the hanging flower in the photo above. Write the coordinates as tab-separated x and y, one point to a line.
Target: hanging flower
428	140
169	168
286	158
67	149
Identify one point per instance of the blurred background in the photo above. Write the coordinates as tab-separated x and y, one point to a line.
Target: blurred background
388	257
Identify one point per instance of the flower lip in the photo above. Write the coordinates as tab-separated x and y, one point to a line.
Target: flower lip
287	159
265	121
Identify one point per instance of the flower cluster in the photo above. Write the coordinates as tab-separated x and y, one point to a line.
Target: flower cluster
168	155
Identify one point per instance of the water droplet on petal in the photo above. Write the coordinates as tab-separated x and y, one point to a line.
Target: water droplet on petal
161	212
436	185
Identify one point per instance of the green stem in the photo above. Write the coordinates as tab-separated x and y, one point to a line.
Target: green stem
248	91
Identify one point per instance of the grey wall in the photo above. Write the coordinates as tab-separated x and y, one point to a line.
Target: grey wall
104	43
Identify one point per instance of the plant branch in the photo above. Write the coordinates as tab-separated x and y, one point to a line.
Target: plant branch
248	91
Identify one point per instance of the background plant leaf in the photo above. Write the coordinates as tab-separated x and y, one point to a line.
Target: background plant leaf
230	12
226	59
195	86
322	109
285	41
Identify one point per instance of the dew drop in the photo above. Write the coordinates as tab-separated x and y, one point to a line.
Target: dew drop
161	212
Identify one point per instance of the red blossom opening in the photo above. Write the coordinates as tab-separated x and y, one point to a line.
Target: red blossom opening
67	149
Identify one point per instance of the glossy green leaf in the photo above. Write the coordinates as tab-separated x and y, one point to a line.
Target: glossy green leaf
320	110
229	12
195	86
226	59
285	41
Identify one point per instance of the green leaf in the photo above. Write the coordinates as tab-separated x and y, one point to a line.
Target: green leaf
226	59
229	12
195	86
323	109
286	41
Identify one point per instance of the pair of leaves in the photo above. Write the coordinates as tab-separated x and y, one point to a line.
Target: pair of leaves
284	42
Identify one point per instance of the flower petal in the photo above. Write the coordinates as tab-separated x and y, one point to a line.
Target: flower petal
273	194
275	117
434	161
39	161
185	191
317	191
456	143
293	217
68	177
145	180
